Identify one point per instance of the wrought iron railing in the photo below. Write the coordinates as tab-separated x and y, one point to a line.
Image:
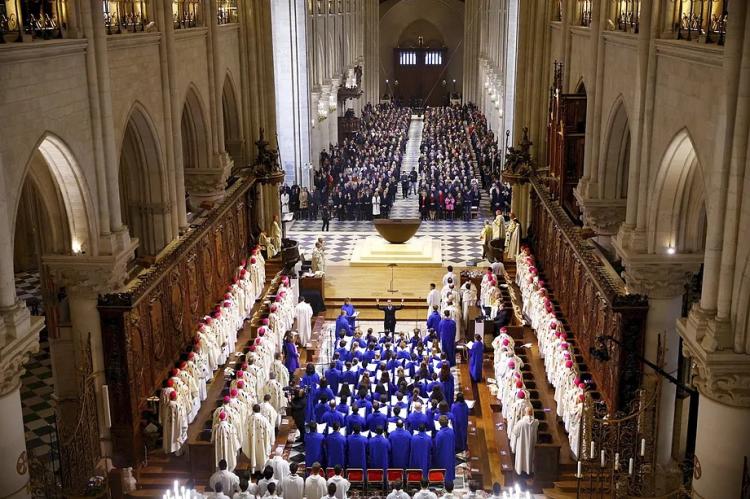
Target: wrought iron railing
627	15
226	11
584	12
701	20
125	16
45	20
187	13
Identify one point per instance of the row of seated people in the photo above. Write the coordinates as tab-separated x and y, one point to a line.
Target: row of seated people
358	178
182	393
448	186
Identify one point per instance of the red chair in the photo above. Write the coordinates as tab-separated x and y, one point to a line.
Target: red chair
329	472
356	477
394	475
436	477
413	477
375	478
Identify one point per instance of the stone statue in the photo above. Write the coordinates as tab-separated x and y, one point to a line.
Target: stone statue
518	161
267	161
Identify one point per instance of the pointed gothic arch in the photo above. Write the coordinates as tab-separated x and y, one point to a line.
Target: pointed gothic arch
230	108
194	130
145	202
677	214
615	161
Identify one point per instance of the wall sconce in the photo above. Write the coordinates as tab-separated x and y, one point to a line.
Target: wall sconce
671	250
75	245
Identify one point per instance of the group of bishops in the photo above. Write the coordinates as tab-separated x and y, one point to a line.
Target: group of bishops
215	339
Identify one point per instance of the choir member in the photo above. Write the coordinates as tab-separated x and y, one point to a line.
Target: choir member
476	357
445	450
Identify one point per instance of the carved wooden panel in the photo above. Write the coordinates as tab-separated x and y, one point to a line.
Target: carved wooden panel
148	328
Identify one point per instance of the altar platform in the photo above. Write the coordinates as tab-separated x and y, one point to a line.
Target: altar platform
418	251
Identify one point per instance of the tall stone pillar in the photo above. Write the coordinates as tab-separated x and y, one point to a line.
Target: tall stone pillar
663	280
333	112
315	145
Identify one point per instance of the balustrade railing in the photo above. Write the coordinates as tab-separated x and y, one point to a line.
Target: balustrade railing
701	20
226	12
125	16
584	12
26	20
187	13
627	15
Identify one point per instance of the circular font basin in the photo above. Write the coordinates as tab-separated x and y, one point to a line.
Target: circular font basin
397	231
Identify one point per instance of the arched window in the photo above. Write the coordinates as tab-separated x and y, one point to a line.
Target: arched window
125	16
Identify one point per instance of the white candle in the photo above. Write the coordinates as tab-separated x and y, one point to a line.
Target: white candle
617	461
593	452
643	447
630	466
603	458
579	474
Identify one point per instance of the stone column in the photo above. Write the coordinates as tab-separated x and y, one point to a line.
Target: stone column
333	111
722	441
663	280
315	145
325	127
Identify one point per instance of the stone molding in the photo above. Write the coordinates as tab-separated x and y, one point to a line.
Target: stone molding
721	375
205	180
603	215
657	276
15	353
91	275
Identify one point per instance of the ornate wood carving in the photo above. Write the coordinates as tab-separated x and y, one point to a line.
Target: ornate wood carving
593	301
148	326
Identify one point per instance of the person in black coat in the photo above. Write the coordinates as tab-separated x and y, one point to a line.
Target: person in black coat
325	213
299	405
389	311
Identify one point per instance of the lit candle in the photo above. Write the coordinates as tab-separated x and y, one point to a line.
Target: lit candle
593	451
603	458
617	461
643	447
579	474
630	466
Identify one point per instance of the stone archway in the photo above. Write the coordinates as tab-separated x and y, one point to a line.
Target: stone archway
146	205
233	141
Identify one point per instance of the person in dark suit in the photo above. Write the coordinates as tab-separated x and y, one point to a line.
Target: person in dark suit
326	215
389	311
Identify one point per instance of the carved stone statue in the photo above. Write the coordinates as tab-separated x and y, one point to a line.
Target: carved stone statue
518	161
267	161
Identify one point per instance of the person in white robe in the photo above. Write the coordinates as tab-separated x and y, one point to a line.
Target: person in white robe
449	275
512	238
276	233
274	389
525	433
267	409
468	303
304	313
433	299
174	424
280	466
230	483
279	370
498	226
293	485
315	483
226	442
259	439
318	259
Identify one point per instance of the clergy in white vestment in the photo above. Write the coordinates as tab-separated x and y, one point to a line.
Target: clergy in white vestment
512	238
525	433
279	370
315	483
268	410
468	302
174	424
433	299
304	313
274	389
259	439
449	276
230	483
293	485
276	233
279	465
226	442
318	259
498	226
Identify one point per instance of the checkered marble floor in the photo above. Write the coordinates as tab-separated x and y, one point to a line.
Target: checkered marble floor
28	290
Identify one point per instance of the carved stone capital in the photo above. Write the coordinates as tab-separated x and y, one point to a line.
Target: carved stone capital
15	352
721	375
91	275
207	180
604	216
658	276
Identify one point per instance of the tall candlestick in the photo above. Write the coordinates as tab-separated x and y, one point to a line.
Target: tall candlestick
643	447
593	452
630	466
603	458
579	474
617	461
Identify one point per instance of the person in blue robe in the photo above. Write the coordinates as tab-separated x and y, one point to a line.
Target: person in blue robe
447	330
291	356
343	407
377	418
343	351
350	374
368	355
354	419
356	450
400	441
396	414
335	447
476	357
333	377
323	390
460	411
332	416
348	308
313	445
310	382
378	450
445	410
445	450
417	418
420	453
433	321
342	326
320	409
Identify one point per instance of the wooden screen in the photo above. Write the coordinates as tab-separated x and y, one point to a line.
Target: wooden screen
419	72
593	301
147	327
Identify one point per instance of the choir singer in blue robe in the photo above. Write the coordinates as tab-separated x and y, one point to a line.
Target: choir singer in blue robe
356	450
378	450
445	450
447	334
433	321
421	451
476	356
313	445
460	410
350	312
342	326
400	441
335	445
